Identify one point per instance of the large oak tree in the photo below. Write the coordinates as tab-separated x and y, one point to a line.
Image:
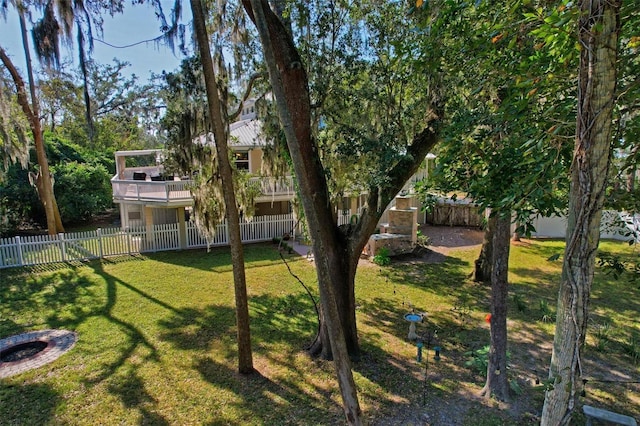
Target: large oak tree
336	249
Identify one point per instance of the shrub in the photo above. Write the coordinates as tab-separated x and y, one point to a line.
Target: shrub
546	312
521	304
479	361
82	190
632	347
19	203
602	336
423	240
382	258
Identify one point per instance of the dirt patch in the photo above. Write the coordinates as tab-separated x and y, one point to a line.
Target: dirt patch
443	239
465	406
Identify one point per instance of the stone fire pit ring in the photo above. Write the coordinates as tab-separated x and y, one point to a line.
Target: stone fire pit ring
37	348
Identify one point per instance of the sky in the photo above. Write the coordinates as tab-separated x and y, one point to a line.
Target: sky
137	23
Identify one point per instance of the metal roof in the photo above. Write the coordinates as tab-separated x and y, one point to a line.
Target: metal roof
246	134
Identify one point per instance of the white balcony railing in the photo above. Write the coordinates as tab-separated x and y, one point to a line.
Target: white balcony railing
270	186
141	190
177	191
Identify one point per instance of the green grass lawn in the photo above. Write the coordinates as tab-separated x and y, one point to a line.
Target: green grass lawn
156	341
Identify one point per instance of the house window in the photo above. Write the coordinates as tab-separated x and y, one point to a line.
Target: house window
241	160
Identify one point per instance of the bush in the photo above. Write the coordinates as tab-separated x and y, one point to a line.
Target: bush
19	204
382	258
479	361
82	190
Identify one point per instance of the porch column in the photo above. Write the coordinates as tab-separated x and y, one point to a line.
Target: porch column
353	205
124	216
148	224
182	228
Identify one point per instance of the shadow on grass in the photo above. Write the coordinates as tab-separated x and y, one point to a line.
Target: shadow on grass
411	287
131	389
66	299
268	402
460	327
60	299
280	328
218	259
135	337
27	404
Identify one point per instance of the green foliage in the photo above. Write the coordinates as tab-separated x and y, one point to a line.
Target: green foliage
619	266
423	240
478	361
514	385
602	336
521	304
504	110
82	190
382	257
546	314
632	347
14	147
82	186
19	203
124	114
372	83
623	192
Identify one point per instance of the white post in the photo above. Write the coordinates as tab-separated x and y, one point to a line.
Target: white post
64	248
19	246
99	234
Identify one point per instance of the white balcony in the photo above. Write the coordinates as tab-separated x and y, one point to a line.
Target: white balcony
177	191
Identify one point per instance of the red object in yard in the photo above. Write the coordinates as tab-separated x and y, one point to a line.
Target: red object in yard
487	318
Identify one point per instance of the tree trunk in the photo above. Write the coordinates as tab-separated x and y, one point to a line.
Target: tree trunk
289	83
343	282
497	384
85	88
599	26
631	179
336	250
220	130
44	183
484	262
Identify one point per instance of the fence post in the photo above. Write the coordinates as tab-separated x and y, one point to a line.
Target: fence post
126	233
63	247
19	246
99	234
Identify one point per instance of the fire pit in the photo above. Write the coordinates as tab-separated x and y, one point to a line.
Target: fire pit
32	350
23	351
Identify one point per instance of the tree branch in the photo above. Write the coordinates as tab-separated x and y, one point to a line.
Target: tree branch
20	88
247	93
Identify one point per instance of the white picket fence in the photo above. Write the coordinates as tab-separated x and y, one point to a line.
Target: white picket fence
105	242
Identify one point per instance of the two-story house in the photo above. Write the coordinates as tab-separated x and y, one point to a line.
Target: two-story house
147	195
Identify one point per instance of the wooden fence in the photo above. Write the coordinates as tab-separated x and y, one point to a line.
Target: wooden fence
455	214
105	242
